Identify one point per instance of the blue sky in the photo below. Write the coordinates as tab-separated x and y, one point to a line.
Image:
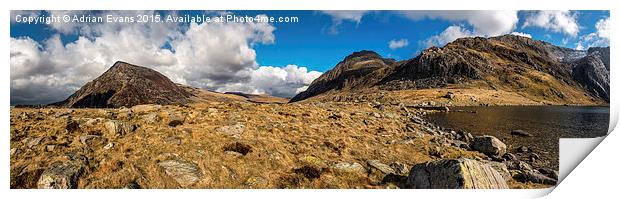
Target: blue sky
51	61
310	43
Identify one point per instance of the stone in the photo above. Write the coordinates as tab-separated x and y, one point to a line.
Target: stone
534	177
400	168
94	141
13	151
377	171
33	142
61	176
509	156
460	173
488	145
518	165
549	173
348	167
232	130
116	128
176	119
50	147
522	149
450	95
183	172
108	146
151	118
520	133
501	168
238	147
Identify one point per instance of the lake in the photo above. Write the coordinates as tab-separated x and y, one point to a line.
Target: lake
546	123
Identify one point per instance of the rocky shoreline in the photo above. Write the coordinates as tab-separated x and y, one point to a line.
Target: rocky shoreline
246	145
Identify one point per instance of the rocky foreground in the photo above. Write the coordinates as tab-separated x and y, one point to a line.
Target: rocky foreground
365	144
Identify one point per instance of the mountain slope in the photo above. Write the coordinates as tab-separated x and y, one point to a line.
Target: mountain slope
357	71
127	85
536	70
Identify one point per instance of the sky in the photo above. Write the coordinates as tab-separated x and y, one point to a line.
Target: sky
50	61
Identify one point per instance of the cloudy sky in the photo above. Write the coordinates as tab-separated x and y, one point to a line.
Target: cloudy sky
51	61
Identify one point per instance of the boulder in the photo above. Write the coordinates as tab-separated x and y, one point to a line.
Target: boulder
460	173
377	171
183	172
533	176
61	175
488	145
521	133
346	167
117	128
176	119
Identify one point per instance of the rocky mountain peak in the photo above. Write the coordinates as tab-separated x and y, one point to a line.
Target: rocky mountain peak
127	85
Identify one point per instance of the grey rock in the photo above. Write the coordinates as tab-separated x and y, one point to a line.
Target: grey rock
377	170
177	118
348	167
521	133
489	145
183	172
117	128
460	173
61	176
549	173
535	177
232	130
501	168
108	146
33	141
400	168
151	118
518	165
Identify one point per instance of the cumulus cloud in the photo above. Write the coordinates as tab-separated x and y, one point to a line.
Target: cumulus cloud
484	22
215	56
339	16
395	44
279	81
522	34
560	21
448	35
598	38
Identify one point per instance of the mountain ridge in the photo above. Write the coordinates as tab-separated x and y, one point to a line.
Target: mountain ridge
534	69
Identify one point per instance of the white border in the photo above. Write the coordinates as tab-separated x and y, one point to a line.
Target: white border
586	175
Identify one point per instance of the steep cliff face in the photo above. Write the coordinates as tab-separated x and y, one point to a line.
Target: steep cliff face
592	72
357	71
127	85
510	63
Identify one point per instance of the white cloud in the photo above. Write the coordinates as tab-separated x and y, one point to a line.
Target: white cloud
554	20
448	35
215	56
598	38
484	22
339	16
286	81
522	34
395	44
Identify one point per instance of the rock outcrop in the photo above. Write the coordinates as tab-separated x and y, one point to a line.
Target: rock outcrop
592	72
127	85
455	174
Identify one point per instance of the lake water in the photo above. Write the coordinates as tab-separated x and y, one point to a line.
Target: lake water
546	123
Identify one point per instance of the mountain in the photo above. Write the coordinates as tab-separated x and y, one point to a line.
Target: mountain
358	70
536	70
127	85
